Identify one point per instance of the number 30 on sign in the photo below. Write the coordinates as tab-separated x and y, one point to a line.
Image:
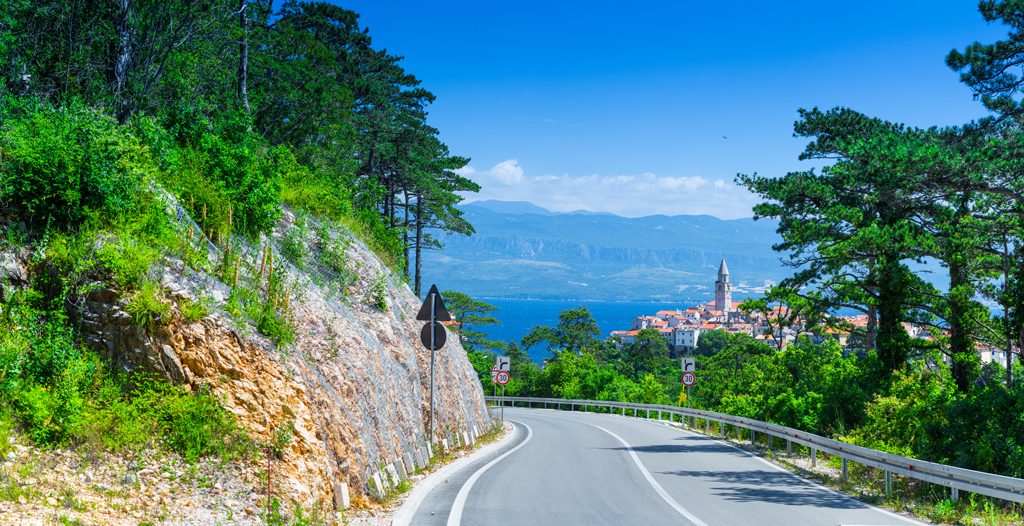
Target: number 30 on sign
689	379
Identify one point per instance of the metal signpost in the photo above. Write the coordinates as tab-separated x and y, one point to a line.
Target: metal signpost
433	336
500	375
689	364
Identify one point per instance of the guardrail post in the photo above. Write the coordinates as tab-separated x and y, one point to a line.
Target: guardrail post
707	426
888	483
753	437
814	457
789	448
721	429
955	494
844	470
771	448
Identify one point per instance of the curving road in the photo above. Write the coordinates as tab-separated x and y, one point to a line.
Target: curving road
583	468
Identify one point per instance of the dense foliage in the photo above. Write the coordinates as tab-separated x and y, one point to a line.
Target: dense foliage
233	108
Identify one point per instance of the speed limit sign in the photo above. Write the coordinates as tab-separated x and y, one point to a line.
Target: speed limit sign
689	379
501	378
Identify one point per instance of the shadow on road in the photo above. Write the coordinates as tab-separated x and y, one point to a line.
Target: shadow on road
768	486
697	445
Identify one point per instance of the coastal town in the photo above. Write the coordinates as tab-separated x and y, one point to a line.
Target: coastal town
682	328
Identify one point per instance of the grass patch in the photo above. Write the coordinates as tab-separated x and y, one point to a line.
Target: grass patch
378	296
194	310
148	306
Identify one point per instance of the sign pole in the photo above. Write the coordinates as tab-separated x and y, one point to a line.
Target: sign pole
433	320
432	314
502	404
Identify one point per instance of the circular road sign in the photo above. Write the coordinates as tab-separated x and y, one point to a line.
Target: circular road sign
440	336
689	379
501	378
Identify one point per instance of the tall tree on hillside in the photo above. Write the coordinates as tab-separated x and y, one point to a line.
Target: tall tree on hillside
470	313
993	73
576	332
435	187
849	227
642	355
988	69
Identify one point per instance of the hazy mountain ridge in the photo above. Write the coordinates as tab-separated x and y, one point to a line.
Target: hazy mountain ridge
547	255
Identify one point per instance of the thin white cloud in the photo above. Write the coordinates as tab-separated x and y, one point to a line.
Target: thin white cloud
505	173
626	195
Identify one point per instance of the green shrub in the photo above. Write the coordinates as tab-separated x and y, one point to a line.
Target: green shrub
194	310
227	178
147	306
134	416
195	425
61	165
312	191
128	259
293	243
44	376
386	242
378	297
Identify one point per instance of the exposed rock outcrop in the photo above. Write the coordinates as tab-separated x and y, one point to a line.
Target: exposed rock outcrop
354	386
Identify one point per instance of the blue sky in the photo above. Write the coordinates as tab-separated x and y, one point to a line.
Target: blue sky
622	106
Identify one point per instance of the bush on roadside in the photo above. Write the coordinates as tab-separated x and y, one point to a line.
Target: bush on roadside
59	166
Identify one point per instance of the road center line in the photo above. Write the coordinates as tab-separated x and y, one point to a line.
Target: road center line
455	517
647	474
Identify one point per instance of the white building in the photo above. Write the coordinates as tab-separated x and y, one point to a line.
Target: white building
642	322
684	338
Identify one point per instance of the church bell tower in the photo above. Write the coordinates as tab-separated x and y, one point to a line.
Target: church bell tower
723	289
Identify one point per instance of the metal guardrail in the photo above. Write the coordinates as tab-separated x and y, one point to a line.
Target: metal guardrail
998	486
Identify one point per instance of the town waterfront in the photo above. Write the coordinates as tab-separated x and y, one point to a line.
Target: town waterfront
519	316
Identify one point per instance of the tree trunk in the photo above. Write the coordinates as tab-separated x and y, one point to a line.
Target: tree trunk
1006	313
872	329
419	240
243	61
961	347
892	340
405	233
124	30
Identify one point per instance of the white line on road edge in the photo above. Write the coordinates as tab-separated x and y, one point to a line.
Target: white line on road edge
647	474
455	517
805	480
404	514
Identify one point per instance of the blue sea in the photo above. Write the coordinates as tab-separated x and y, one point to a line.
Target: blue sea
519	316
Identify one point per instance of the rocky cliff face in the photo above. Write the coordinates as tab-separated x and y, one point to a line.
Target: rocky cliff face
354	386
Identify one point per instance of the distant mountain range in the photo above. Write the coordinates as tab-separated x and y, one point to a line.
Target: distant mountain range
521	250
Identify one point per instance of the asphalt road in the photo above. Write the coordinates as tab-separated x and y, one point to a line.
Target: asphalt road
581	468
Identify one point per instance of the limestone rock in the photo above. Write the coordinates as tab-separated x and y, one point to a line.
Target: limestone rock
353	390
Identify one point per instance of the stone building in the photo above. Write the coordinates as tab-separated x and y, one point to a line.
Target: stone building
723	290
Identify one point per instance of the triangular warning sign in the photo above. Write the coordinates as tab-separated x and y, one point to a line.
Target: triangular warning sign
440	312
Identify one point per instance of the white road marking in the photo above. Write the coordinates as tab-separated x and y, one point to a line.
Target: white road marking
647	474
455	518
776	467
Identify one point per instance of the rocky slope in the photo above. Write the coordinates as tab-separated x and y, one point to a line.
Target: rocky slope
352	389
